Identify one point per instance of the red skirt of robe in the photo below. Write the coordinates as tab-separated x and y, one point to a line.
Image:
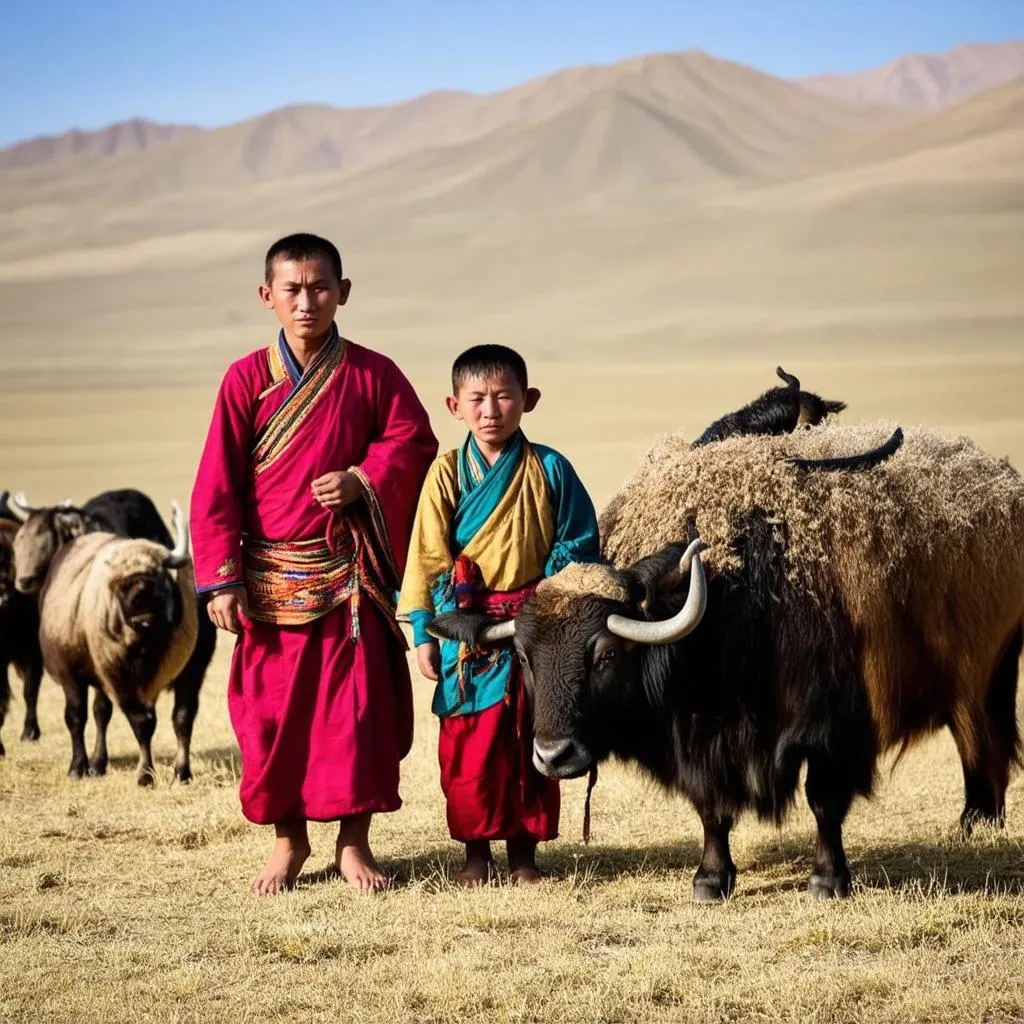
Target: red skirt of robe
322	723
491	787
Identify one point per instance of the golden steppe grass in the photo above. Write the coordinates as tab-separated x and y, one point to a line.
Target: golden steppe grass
118	904
123	905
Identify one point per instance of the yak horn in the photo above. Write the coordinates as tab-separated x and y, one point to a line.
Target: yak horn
20	506
504	630
179	556
684	621
6	512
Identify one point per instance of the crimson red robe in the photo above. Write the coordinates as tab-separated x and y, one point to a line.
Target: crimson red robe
319	691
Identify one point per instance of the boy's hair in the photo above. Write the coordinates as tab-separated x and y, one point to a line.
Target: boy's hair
485	361
302	246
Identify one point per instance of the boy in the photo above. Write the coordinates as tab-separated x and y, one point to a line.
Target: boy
301	515
494	517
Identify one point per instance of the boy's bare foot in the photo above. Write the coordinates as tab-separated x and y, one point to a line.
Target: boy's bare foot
353	857
479	864
526	875
291	849
522	862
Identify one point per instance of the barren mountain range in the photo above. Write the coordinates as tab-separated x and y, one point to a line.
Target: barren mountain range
702	115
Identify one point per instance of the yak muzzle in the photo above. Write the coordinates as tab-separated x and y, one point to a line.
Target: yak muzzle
28	584
565	758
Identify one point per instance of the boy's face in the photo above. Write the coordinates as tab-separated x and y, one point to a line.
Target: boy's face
305	296
492	406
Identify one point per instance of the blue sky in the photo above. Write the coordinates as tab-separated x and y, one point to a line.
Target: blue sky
87	63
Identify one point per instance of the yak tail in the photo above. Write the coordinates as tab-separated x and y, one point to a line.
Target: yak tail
865	460
834	406
793	383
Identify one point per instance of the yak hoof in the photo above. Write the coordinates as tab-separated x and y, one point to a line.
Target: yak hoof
826	887
98	769
975	816
30	733
3	753
77	771
146	778
713	888
183	774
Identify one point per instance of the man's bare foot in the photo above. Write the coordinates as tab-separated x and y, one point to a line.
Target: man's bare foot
478	867
522	862
291	849
353	857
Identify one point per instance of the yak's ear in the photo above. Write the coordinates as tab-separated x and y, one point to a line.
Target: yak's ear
463	627
69	525
655	574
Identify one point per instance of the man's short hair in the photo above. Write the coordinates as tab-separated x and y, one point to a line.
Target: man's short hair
302	246
485	361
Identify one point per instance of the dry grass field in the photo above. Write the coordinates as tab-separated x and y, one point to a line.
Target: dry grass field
881	272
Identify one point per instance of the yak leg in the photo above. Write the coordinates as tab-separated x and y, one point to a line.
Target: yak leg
102	710
186	705
186	691
988	743
980	801
716	874
5	699
143	723
31	679
76	710
829	795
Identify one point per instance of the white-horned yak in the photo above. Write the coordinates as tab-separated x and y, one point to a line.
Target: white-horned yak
118	614
757	615
126	513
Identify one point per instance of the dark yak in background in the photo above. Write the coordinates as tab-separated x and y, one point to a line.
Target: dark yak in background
19	631
777	411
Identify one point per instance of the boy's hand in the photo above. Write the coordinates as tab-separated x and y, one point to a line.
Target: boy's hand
227	608
428	657
337	489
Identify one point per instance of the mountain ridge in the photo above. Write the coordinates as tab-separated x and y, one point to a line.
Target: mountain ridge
927	81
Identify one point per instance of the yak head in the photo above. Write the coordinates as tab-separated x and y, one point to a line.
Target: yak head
42	532
146	596
580	641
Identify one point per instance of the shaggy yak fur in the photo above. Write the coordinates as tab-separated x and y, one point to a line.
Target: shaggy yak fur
19	638
777	411
113	617
847	613
125	513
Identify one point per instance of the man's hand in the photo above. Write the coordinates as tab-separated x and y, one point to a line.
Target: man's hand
428	657
227	608
338	489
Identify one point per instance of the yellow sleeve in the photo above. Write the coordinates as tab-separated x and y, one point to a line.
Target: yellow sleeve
429	554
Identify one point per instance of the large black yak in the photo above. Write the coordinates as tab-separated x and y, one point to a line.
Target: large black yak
842	614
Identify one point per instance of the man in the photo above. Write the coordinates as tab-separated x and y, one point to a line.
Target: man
301	515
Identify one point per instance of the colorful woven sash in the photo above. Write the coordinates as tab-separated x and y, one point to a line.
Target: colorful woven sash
295	582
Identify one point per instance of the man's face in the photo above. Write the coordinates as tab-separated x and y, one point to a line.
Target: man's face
305	295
